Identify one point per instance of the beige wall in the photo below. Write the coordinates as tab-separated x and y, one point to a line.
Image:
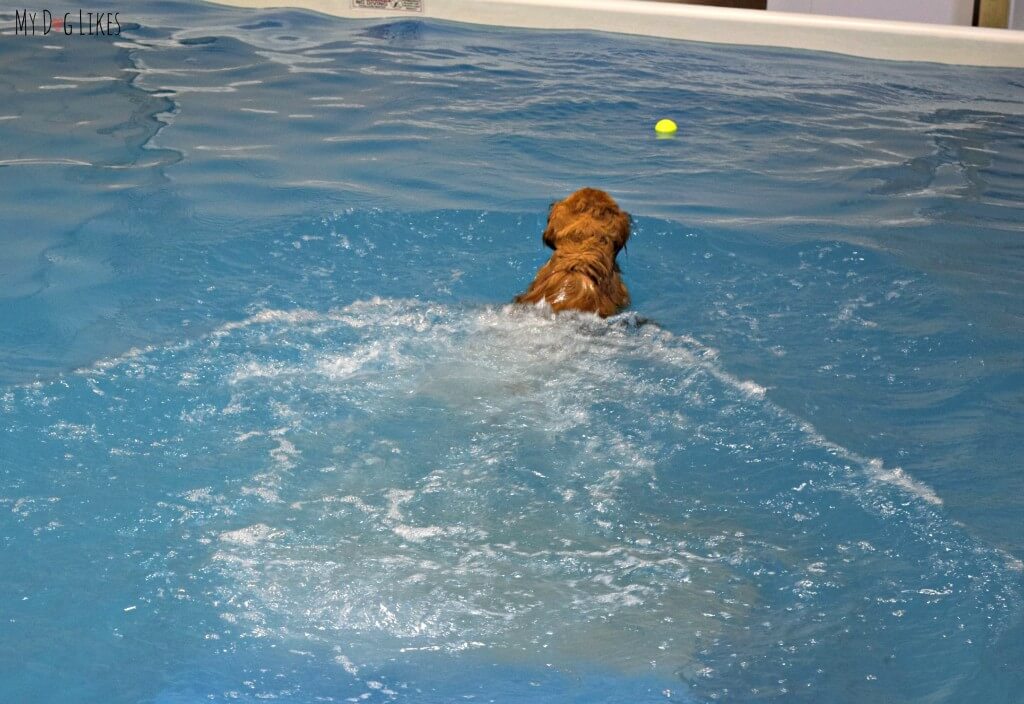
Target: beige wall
1016	14
958	12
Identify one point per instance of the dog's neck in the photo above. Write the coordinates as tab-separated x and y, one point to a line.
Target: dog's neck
593	260
602	248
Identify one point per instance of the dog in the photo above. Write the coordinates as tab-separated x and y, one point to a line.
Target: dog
586	232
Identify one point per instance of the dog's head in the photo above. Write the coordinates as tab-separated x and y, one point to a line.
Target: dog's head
588	215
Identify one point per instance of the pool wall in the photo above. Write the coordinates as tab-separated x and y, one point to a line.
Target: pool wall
876	39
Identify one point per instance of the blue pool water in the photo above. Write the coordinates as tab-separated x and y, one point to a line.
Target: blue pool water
270	432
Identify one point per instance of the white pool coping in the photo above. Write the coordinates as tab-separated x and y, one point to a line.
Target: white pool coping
874	39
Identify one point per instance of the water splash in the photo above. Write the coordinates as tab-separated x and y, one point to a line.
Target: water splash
406	479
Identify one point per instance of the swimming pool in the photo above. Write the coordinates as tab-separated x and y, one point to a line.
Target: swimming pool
269	431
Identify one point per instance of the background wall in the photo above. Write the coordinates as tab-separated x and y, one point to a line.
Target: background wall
959	12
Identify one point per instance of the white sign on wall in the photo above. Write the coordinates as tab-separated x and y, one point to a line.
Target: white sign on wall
396	5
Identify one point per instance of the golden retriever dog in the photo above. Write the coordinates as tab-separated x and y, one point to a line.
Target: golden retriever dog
586	230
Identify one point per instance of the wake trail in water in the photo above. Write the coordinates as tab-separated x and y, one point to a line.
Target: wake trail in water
405	478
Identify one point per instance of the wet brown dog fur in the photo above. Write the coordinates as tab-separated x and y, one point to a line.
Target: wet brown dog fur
586	230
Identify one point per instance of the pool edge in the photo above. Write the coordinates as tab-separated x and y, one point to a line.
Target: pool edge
872	39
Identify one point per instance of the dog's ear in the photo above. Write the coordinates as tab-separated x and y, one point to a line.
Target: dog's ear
621	225
548	236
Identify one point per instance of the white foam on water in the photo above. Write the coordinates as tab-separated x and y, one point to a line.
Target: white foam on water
520	330
875	469
397	497
417	534
250	535
422	477
343	366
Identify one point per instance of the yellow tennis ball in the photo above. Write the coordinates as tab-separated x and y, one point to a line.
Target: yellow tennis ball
665	127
